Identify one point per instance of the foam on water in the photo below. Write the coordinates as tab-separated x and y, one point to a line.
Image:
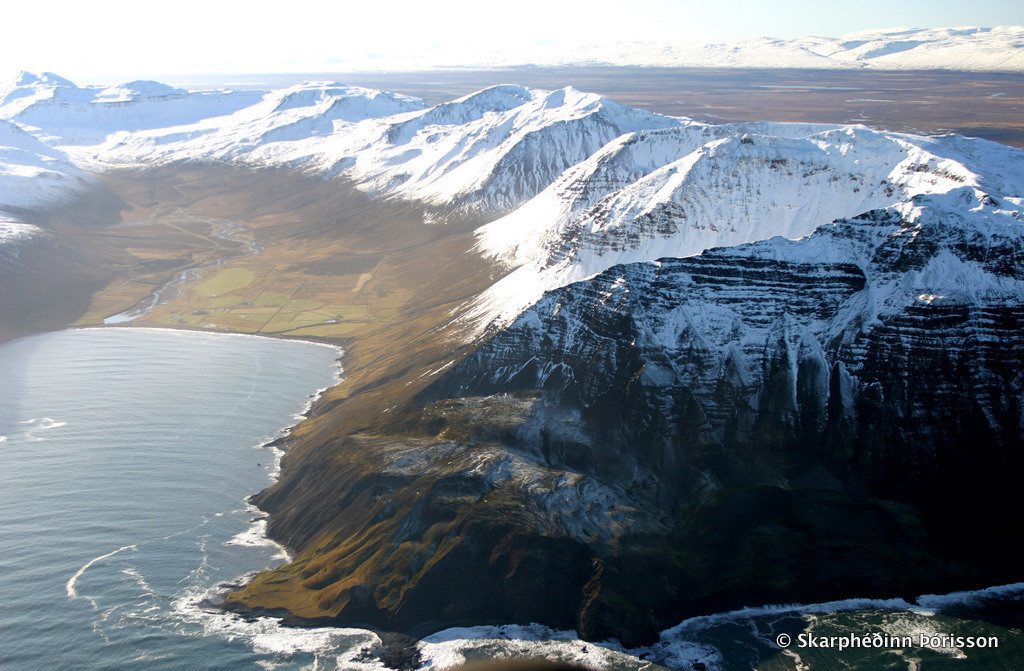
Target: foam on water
256	536
705	621
149	434
456	646
970	598
265	634
926	604
38	424
70	586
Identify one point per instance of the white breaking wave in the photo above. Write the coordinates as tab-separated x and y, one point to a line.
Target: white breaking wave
14	230
256	536
39	424
926	604
266	634
454	647
969	598
71	586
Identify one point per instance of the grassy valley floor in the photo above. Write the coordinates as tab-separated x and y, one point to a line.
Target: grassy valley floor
267	252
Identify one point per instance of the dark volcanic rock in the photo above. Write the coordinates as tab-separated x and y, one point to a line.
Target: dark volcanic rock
805	420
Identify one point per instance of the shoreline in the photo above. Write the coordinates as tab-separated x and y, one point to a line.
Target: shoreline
230	398
278	443
683	642
312	340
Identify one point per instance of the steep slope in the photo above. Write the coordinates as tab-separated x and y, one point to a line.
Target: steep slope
676	192
749	424
485	152
494	149
726	365
32	175
784	420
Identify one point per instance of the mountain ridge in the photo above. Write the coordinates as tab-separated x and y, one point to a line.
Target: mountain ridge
695	366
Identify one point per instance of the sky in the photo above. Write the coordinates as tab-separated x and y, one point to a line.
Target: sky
104	41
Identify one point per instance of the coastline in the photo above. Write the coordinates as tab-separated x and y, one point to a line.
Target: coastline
694	643
277	443
405	650
395	650
230	399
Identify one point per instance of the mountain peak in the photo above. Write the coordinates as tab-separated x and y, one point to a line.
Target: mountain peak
25	78
361	103
500	97
138	89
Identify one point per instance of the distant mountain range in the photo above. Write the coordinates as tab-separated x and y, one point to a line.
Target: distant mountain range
968	48
964	48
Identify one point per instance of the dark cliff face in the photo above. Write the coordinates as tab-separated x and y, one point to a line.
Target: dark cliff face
805	420
769	352
803	423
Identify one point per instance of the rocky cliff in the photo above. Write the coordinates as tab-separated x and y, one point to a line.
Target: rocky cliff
786	420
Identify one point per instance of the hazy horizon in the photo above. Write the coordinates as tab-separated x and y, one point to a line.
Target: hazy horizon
116	41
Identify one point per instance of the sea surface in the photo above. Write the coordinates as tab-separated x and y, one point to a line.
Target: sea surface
127	454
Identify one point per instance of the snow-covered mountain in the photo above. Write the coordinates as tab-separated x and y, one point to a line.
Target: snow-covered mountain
998	49
738	405
271	131
957	251
32	175
679	191
493	149
586	183
968	48
488	151
61	113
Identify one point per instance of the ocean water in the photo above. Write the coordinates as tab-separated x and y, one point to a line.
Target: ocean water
126	456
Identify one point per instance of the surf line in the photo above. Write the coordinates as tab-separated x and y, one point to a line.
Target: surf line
70	586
